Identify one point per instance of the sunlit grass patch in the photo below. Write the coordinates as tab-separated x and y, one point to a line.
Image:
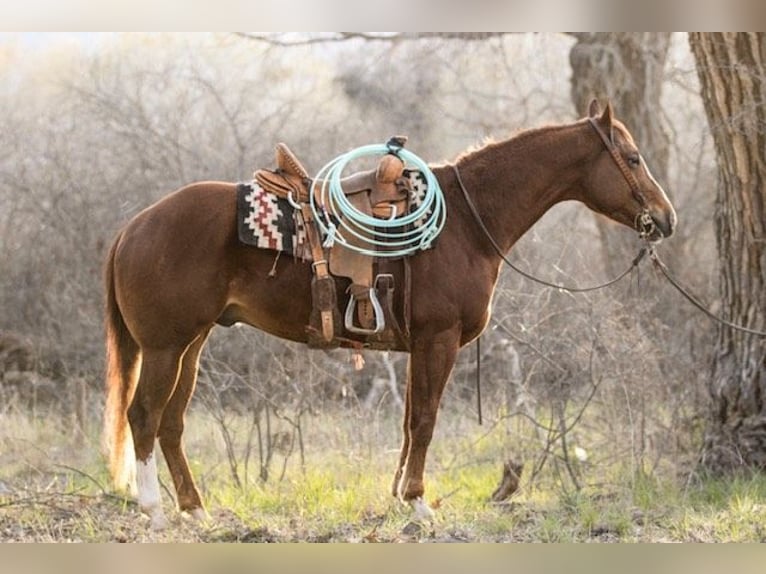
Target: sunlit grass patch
338	489
723	510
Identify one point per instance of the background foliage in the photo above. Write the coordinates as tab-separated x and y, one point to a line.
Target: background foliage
95	130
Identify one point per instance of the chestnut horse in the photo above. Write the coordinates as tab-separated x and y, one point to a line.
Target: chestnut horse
177	269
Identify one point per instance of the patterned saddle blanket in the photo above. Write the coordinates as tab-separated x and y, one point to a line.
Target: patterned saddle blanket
270	222
267	221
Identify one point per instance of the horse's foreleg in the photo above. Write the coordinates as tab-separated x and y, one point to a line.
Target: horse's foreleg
405	436
172	428
430	364
159	373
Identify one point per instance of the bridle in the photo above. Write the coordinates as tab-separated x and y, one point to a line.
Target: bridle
644	224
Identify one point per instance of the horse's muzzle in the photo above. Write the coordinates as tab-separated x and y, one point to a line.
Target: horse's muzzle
655	227
666	223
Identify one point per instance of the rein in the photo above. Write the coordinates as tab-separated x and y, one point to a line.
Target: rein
499	251
477	217
696	302
643	224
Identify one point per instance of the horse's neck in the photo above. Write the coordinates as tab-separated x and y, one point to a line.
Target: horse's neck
514	182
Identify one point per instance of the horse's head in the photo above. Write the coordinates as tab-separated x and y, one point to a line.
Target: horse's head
619	183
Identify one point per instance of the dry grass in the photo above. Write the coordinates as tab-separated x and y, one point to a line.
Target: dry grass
53	488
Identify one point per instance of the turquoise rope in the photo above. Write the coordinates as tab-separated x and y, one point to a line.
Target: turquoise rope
373	231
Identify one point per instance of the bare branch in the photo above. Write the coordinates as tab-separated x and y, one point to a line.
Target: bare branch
288	40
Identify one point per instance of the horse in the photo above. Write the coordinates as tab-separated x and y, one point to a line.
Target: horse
177	269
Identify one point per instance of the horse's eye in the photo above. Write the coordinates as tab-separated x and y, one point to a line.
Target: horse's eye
634	160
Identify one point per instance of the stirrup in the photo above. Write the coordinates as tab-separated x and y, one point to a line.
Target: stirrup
380	321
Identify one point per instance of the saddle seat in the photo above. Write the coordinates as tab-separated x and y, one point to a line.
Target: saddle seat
383	192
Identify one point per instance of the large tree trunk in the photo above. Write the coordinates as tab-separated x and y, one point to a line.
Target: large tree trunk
627	68
732	72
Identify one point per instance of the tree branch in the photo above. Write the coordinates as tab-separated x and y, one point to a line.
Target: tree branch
290	40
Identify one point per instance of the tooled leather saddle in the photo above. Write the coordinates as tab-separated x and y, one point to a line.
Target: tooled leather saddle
382	192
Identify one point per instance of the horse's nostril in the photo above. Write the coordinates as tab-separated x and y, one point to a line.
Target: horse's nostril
667	224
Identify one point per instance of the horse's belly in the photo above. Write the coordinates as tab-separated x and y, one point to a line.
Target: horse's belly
272	296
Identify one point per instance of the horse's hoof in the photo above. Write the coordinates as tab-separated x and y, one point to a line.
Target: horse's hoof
158	521
420	525
412	531
421	511
199	515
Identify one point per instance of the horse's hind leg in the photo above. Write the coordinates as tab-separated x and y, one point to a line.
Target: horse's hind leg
156	384
172	427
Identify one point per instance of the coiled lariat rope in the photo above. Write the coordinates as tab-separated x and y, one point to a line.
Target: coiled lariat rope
402	234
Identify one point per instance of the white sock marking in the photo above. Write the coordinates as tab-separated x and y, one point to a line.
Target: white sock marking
149	491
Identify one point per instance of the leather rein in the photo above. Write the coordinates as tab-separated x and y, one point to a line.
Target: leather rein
644	224
477	217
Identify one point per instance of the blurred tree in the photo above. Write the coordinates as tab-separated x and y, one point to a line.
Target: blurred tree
628	69
732	72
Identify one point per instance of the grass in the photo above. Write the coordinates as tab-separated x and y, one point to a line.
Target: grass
53	488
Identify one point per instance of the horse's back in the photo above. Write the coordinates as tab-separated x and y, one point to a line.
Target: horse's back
202	203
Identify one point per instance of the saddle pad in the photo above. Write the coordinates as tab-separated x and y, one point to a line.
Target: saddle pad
269	222
418	191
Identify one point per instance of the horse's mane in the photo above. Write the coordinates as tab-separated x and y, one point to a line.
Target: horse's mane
518	137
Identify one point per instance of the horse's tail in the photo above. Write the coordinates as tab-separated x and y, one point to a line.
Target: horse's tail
122	368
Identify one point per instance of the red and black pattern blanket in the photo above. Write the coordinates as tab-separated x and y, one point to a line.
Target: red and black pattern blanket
270	222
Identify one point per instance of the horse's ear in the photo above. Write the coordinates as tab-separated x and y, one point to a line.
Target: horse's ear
606	117
594	109
606	120
603	118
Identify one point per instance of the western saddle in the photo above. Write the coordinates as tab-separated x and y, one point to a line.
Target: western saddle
382	192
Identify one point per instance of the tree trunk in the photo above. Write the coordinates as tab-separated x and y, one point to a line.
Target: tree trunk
732	72
627	68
